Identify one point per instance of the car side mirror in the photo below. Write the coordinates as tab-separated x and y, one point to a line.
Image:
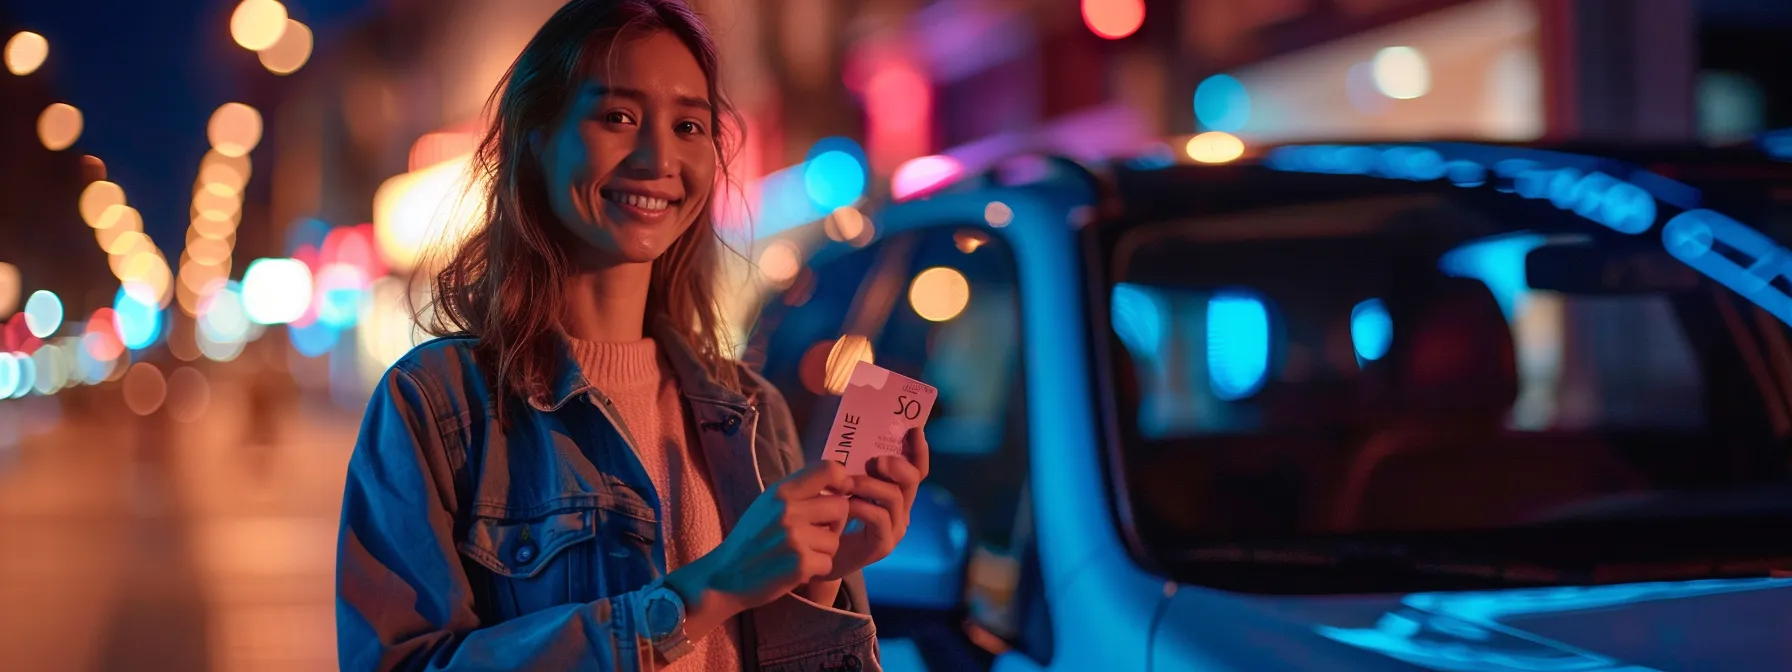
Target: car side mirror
927	570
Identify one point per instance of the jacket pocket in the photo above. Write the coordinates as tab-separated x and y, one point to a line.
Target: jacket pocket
534	563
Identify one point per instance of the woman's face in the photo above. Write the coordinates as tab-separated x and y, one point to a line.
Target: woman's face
631	163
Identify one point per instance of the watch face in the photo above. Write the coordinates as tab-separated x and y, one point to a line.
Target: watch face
662	615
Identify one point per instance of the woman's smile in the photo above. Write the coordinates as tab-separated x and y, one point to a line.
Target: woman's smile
633	203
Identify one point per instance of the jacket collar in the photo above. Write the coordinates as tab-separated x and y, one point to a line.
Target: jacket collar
694	381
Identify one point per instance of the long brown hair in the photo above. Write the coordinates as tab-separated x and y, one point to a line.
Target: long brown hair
503	283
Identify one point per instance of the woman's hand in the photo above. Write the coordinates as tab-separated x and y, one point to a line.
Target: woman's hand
881	502
787	538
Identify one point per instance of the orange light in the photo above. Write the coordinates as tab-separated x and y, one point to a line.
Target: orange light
1114	19
1214	147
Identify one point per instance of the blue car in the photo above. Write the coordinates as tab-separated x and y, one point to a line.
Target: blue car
1436	406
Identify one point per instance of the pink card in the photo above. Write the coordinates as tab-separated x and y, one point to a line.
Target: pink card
876	411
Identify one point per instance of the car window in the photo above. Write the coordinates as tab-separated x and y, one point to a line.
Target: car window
939	305
1415	365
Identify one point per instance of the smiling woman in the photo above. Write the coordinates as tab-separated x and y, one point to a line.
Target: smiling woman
577	475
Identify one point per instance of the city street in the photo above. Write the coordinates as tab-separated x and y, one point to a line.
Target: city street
197	551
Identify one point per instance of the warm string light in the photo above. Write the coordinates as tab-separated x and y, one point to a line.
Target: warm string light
205	264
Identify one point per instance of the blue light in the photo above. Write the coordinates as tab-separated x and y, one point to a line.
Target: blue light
312	340
1466	173
1138	320
1371	329
1237	344
834	173
43	313
1690	237
1497	262
306	232
1467	632
1222	104
139	319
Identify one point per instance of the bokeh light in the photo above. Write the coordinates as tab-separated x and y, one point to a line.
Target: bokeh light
1222	104
1371	329
11	288
235	128
26	52
1113	19
291	52
222	318
138	316
998	214
312	340
144	388
848	225
340	290
43	313
923	175
59	126
834	179
189	394
780	261
939	294
101	336
27	378
1401	73
969	240
434	204
96	198
231	171
258	24
276	291
9	374
1214	147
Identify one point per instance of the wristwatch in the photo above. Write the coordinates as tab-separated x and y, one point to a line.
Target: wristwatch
663	612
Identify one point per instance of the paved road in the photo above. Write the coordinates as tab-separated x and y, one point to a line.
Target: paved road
146	544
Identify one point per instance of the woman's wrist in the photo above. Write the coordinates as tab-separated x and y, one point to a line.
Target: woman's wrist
705	608
820	591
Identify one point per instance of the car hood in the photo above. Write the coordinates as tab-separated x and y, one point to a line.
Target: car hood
1728	625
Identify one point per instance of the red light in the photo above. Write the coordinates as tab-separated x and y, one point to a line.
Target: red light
1114	19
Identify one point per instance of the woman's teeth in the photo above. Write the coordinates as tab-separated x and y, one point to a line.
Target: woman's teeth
637	200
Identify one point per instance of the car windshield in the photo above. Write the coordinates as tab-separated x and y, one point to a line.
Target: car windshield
1313	359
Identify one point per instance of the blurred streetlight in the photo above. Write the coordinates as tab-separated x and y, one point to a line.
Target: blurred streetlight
1114	19
96	198
291	52
1214	147
26	52
258	24
780	261
10	287
234	129
939	294
1401	73
59	126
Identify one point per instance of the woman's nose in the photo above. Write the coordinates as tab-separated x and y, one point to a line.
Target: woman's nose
653	153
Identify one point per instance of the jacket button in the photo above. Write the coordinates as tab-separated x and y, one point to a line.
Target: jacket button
731	425
525	554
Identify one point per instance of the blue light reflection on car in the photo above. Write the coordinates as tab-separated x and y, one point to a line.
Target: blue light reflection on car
1496	262
1462	632
1371	330
1138	319
1237	343
1619	205
1692	237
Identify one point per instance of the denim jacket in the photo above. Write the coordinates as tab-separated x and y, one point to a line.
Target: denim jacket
464	545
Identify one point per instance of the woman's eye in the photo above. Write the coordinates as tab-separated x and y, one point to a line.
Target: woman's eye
618	117
690	127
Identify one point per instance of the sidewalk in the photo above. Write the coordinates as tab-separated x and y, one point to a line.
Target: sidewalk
137	545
